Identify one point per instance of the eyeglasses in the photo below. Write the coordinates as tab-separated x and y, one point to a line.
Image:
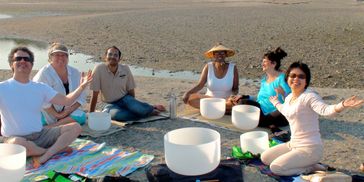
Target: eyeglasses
300	76
26	59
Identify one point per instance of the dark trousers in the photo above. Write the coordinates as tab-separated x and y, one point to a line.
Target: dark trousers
267	120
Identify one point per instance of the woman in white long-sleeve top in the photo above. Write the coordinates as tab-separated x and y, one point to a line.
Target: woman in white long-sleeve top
64	79
302	109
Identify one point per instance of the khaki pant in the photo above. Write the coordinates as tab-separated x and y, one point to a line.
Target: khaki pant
285	160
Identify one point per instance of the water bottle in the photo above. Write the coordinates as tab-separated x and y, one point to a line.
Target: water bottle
172	105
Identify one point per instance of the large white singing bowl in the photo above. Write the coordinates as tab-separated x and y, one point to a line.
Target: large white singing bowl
212	108
192	151
245	117
12	162
255	142
99	121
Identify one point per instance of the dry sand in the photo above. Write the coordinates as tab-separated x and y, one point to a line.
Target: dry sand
172	35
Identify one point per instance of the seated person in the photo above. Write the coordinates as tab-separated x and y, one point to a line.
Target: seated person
271	83
221	77
302	108
116	84
20	109
64	79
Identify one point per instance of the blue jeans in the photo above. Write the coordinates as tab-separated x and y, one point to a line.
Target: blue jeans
128	109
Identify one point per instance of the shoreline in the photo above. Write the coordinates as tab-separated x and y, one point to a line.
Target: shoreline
173	36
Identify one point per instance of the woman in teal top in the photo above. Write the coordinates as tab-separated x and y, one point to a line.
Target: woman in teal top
272	83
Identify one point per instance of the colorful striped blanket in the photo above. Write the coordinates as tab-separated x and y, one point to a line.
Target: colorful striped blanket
88	160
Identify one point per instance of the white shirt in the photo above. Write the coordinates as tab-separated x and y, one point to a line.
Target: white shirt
220	88
21	105
302	115
48	75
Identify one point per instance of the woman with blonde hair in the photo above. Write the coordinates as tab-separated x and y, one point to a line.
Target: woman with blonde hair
64	79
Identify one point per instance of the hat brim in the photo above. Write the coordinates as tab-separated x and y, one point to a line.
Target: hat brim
58	51
210	53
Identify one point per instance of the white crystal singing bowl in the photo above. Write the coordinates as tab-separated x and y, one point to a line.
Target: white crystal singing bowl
192	151
212	108
245	117
99	121
255	142
12	162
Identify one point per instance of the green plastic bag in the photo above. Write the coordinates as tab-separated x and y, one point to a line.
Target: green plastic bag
237	153
53	176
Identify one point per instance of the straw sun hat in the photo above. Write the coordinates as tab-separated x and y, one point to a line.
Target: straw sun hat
219	47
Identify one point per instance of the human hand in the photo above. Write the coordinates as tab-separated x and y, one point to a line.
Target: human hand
86	78
185	97
279	90
353	101
61	115
235	99
274	100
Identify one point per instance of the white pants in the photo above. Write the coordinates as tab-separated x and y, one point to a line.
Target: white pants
285	160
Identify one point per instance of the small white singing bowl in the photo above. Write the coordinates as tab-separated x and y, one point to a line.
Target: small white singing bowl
99	121
255	142
12	162
212	108
245	117
192	151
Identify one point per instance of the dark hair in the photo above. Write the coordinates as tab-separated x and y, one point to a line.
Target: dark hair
276	56
16	49
303	67
113	47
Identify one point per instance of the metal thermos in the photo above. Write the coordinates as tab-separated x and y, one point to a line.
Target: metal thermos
172	105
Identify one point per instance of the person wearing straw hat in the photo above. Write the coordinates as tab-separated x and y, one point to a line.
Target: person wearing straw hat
64	79
221	77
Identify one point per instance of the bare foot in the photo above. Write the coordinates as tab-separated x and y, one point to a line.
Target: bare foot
67	150
44	158
36	163
160	108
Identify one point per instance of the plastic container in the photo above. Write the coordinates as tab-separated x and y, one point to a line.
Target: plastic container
12	162
245	117
212	108
192	151
255	142
99	121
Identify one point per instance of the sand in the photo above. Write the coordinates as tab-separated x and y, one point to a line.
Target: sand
172	35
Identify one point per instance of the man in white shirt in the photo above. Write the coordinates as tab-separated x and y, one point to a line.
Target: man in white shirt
21	103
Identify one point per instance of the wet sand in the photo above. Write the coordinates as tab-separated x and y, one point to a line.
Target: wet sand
328	35
172	35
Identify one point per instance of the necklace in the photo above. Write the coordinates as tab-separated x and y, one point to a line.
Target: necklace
293	99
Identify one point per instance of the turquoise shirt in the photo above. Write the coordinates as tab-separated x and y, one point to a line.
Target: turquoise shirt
267	90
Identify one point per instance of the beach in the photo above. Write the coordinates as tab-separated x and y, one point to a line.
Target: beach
172	35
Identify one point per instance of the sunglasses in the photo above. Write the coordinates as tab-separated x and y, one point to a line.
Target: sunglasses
26	59
300	76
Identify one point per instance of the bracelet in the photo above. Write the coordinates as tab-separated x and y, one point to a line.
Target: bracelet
342	103
275	105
